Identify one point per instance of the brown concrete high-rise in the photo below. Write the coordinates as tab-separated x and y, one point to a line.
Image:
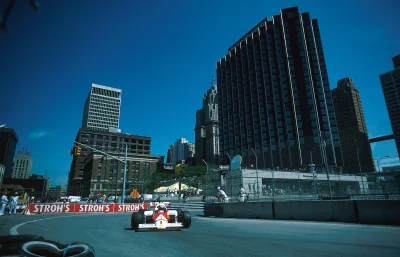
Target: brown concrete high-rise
357	154
390	82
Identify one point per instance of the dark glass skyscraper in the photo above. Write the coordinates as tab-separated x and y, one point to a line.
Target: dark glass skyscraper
390	82
275	98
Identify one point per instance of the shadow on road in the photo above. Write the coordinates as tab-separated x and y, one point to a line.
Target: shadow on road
155	230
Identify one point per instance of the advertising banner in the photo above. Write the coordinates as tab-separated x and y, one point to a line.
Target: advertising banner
53	208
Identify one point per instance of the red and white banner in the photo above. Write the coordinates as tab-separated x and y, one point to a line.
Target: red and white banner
85	208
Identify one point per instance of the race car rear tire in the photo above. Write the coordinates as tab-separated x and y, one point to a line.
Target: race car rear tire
137	218
186	219
177	217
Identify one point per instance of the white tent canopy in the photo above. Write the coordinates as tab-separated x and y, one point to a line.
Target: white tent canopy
173	187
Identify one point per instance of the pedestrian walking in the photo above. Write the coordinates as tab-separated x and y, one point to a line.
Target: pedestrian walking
3	203
13	204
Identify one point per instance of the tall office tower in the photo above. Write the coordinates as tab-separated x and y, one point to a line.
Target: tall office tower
169	153
274	96
8	144
181	150
206	130
357	154
22	164
102	109
390	82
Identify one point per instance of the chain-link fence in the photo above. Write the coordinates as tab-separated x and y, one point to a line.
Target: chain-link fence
267	185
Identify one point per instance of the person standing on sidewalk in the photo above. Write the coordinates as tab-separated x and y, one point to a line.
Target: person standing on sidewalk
3	203
13	204
241	194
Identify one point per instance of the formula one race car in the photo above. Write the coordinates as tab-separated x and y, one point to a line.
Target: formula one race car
160	218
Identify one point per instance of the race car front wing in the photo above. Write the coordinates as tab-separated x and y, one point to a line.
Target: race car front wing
160	226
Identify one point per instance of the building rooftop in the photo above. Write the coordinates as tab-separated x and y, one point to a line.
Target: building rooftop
107	88
9	131
126	135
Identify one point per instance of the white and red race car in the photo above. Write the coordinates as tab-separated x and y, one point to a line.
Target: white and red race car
160	218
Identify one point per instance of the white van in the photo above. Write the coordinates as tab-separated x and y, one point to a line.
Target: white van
74	199
70	199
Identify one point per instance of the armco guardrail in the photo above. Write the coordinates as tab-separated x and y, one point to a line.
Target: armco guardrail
188	205
356	211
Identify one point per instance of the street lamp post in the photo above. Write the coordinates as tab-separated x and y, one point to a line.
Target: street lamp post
378	160
379	169
124	182
116	174
359	168
325	157
312	167
258	186
113	157
206	179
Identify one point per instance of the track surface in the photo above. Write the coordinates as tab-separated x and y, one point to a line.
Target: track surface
110	235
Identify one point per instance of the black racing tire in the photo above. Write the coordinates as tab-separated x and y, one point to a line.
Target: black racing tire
133	221
186	219
137	218
178	217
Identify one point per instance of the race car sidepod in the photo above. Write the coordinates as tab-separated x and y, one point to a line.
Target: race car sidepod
163	219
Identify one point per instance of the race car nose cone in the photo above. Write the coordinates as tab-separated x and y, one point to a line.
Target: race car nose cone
161	224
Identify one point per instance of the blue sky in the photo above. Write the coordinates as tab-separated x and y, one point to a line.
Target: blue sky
162	55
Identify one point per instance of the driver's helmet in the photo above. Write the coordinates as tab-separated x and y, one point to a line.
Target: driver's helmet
160	207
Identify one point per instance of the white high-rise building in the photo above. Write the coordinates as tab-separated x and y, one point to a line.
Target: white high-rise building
181	150
22	164
102	109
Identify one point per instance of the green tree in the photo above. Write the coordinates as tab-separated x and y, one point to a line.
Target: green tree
157	178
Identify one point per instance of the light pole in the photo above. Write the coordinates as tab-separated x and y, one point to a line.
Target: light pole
258	186
379	169
359	168
230	159
44	183
312	167
379	159
325	157
206	179
124	182
106	154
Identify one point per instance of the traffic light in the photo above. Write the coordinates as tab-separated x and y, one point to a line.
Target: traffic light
78	150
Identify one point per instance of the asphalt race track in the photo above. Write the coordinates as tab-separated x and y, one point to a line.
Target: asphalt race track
110	235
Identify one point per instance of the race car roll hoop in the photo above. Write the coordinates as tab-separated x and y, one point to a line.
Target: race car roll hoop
160	218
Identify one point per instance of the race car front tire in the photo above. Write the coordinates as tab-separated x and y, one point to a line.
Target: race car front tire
137	219
186	219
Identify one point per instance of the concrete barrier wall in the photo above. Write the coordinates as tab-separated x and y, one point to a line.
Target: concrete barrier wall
316	210
360	211
261	210
379	211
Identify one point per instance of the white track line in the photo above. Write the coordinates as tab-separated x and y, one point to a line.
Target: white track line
14	232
